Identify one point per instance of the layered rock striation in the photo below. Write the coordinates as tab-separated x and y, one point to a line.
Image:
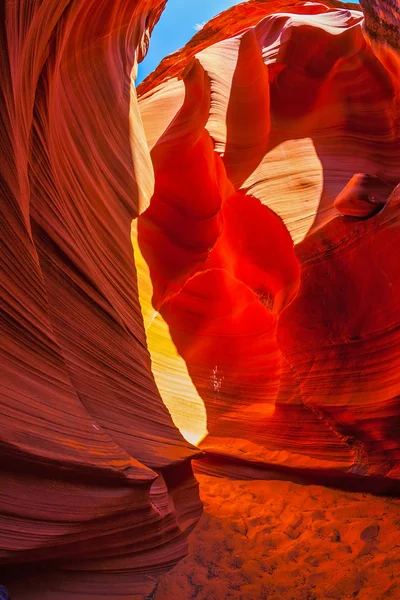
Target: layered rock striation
96	485
270	238
255	317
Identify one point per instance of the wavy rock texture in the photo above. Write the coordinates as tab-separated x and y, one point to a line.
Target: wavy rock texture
259	315
267	254
96	488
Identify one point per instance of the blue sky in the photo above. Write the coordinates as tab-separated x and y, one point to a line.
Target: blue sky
176	26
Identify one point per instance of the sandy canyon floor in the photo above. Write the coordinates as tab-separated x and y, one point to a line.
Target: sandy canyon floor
278	540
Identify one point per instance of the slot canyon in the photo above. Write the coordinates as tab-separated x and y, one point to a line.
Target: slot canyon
200	303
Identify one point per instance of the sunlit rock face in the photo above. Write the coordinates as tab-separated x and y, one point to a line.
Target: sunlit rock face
257	313
96	484
267	250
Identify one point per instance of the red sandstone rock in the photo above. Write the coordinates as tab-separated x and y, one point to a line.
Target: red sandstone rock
291	348
95	477
363	196
267	324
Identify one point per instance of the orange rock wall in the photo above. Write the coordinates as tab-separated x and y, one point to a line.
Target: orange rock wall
270	238
95	477
259	314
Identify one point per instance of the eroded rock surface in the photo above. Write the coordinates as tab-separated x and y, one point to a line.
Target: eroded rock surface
258	313
278	119
95	478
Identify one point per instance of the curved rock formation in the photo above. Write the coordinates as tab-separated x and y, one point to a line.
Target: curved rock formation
258	315
277	119
95	478
363	196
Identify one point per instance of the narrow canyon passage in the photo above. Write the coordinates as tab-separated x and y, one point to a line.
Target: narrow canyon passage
200	303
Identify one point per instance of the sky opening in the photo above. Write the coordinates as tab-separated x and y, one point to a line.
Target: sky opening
178	23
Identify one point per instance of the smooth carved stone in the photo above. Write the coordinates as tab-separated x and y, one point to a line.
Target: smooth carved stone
286	345
250	319
363	196
95	483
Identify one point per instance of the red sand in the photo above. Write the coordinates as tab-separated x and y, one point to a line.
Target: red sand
279	540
